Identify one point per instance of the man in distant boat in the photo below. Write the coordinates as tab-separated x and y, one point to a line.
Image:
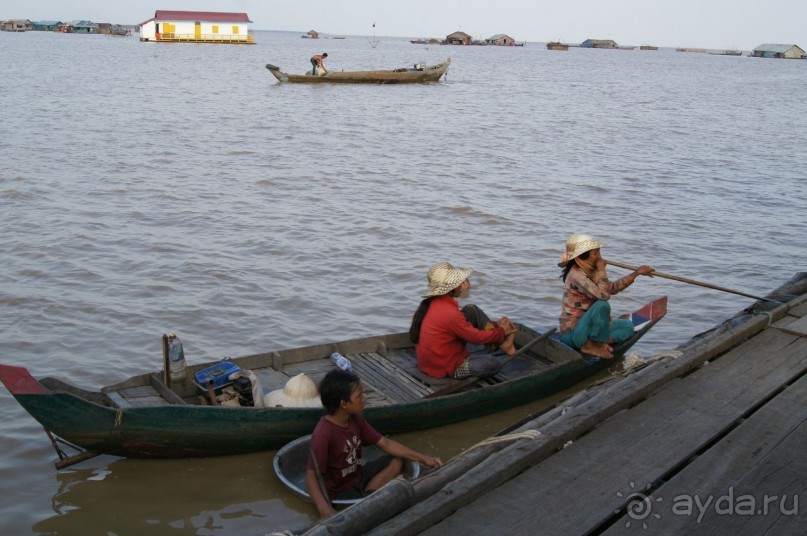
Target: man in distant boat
317	61
585	318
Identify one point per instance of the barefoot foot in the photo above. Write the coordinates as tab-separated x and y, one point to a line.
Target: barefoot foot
508	346
598	349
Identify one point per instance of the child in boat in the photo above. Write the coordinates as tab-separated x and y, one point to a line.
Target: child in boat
336	462
440	329
585	320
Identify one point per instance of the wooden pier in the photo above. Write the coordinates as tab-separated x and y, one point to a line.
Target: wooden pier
712	440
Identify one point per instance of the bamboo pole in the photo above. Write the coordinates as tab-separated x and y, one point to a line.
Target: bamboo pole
691	281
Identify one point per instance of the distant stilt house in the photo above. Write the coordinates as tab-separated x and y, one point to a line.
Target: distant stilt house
778	51
82	27
47	26
598	43
503	40
16	25
312	34
458	38
197	27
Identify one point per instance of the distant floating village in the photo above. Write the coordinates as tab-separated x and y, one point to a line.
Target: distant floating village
233	28
75	26
164	26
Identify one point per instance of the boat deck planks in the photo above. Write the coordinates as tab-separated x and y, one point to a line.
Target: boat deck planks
410	387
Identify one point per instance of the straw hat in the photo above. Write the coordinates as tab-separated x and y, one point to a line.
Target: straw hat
299	392
576	245
443	278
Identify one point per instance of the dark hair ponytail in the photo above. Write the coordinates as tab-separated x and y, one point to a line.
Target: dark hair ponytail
417	320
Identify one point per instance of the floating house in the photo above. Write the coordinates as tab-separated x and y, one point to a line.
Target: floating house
598	43
778	51
81	27
16	25
312	34
458	38
502	40
47	25
197	27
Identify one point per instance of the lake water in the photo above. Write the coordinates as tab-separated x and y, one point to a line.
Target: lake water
152	187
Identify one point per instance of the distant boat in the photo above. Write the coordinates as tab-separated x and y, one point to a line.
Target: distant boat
648	47
732	52
557	45
405	75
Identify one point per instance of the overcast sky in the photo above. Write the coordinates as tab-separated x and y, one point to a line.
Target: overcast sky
715	24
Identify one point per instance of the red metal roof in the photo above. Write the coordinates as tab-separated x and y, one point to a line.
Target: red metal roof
206	16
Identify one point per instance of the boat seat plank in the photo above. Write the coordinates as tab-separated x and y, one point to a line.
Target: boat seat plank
170	396
138	397
116	400
271	379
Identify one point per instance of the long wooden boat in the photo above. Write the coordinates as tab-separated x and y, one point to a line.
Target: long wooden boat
291	460
557	45
404	75
149	416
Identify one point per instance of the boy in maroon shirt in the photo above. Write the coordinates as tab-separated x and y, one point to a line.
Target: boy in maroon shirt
336	447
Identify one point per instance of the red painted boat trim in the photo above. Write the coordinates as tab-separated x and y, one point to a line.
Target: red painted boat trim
19	381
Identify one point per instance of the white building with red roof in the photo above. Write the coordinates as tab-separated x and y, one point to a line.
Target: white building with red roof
197	27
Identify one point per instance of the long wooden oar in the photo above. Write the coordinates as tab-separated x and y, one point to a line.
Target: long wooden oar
692	282
456	386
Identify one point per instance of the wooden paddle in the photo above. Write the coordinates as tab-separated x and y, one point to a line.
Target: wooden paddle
692	282
456	386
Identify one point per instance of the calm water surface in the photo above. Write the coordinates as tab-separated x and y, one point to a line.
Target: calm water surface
151	187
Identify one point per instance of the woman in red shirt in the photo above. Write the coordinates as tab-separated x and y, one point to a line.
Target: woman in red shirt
440	329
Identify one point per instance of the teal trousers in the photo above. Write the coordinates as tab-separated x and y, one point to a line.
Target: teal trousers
596	324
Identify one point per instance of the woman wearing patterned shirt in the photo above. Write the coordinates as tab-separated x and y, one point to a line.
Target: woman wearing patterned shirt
585	321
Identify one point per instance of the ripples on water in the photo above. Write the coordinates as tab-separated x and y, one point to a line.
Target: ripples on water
150	187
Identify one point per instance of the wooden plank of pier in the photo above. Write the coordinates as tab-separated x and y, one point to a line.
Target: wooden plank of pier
757	473
582	488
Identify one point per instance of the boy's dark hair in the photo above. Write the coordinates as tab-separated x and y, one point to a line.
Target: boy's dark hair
336	387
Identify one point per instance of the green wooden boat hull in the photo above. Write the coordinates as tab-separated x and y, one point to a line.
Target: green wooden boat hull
89	421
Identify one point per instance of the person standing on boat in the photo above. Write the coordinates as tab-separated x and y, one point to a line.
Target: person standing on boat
336	468
318	60
585	319
440	330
